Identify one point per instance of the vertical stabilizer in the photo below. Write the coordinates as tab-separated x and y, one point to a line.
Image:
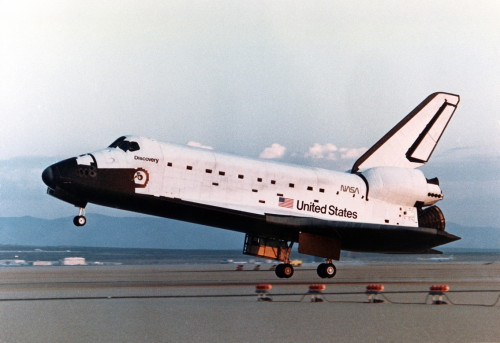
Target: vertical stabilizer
412	141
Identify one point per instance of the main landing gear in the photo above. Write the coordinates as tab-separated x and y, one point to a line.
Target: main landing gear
280	249
284	270
80	219
326	270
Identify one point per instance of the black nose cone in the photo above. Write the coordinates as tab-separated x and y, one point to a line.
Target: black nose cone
49	176
60	173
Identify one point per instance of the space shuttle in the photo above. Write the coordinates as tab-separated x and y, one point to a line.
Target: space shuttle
384	204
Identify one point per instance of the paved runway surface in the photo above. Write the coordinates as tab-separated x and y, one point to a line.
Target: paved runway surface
215	303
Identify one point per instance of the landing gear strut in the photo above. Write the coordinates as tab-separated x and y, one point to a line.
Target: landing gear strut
80	219
273	248
284	270
327	270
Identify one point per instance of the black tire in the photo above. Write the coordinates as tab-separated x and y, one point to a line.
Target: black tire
321	270
79	221
326	270
284	270
279	271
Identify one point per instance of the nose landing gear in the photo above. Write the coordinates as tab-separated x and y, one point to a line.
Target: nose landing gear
80	219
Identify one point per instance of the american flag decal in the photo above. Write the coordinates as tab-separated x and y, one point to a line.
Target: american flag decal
285	202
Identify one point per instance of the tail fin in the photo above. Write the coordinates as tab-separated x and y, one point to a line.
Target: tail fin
412	141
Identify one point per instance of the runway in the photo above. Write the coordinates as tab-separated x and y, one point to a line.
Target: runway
215	303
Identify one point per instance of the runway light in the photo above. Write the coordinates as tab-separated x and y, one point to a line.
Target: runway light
315	290
437	292
373	290
262	291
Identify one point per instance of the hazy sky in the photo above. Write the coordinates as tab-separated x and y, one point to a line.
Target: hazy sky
314	82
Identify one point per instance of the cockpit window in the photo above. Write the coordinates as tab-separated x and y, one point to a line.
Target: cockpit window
134	146
125	145
117	142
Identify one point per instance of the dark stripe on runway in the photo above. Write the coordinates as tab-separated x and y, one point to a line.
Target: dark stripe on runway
302	295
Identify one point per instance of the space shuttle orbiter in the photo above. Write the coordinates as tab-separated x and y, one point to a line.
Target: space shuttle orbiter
384	204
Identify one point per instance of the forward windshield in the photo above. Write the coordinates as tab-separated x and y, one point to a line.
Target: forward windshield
125	145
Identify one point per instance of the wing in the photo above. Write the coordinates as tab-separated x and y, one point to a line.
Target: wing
325	234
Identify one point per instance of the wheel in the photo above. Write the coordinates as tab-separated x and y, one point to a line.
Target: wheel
79	220
287	270
284	270
326	270
330	270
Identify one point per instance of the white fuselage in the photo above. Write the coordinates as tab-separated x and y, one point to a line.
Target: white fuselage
254	186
